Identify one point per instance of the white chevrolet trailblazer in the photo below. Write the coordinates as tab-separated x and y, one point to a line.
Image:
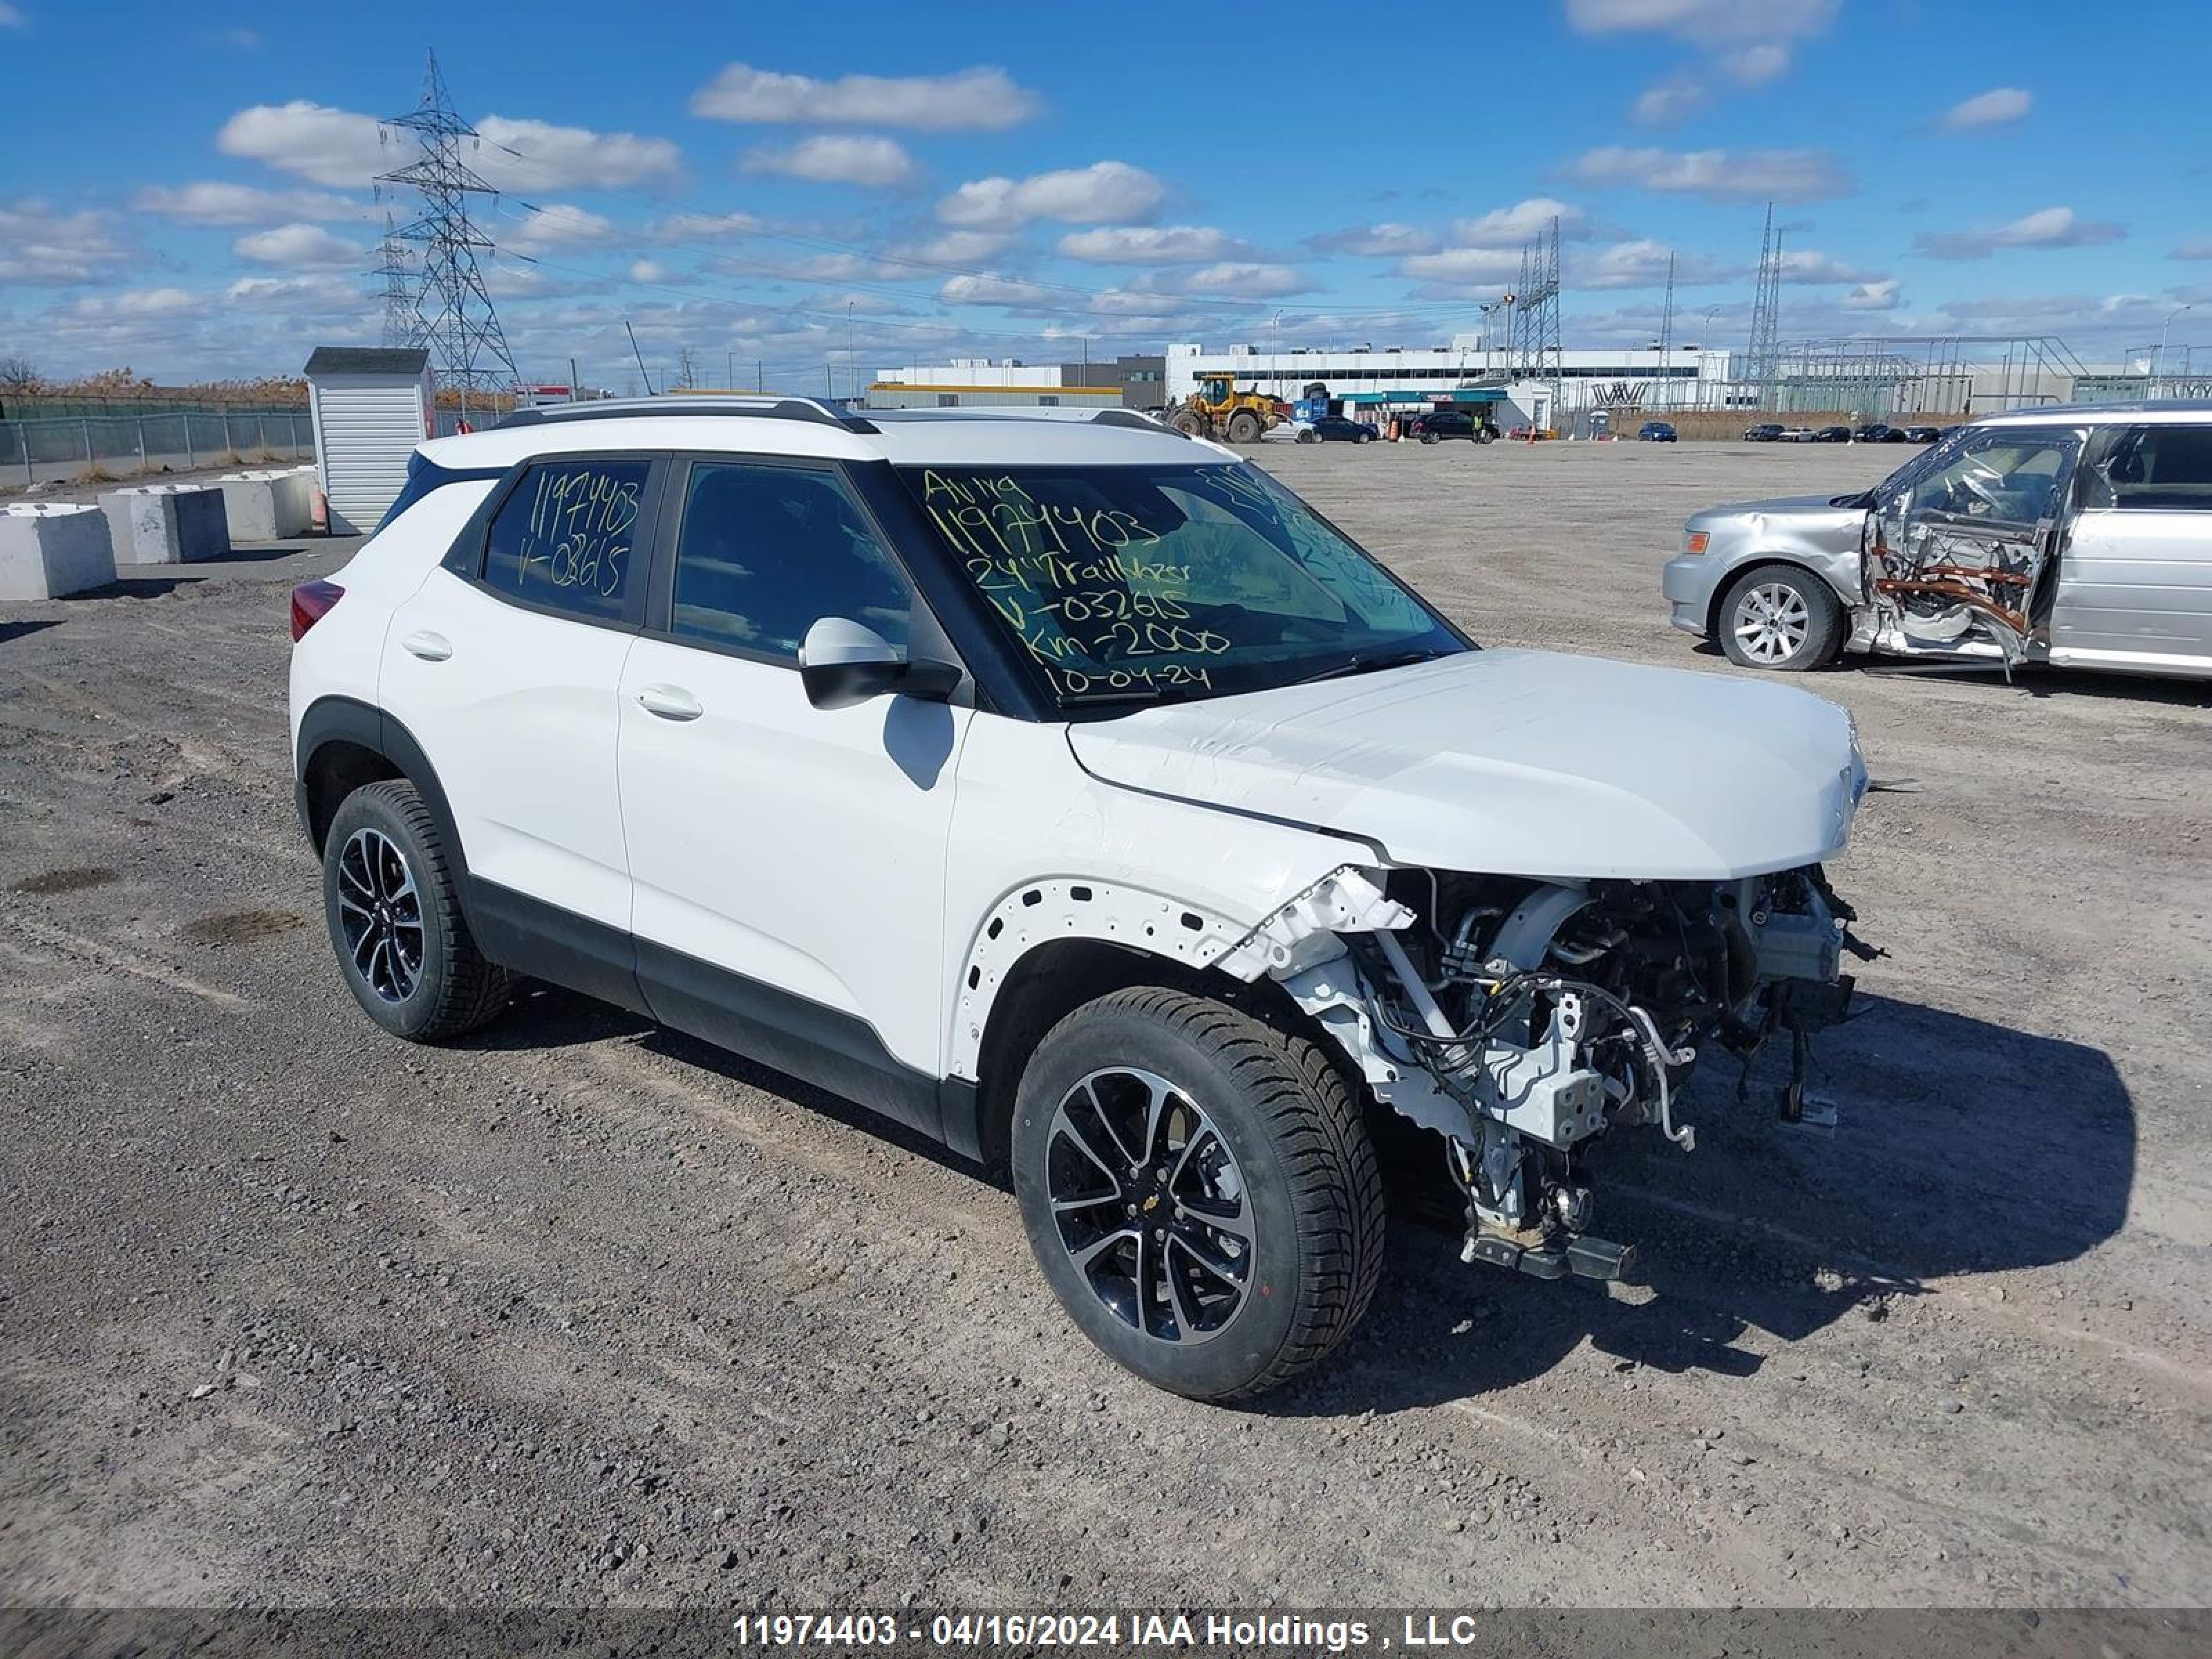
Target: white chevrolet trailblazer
1070	791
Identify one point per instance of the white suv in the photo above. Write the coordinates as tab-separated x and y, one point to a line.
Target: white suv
1071	791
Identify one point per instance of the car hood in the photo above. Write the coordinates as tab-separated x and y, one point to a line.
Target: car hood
1515	763
1784	507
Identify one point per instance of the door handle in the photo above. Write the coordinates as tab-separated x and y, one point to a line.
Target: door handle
431	647
670	702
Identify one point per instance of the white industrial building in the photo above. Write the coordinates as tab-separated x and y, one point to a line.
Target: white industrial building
1372	380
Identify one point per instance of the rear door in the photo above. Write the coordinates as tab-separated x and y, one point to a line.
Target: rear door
1956	554
505	667
2135	584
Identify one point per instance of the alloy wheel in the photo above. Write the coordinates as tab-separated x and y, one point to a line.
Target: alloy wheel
380	914
1150	1205
1772	621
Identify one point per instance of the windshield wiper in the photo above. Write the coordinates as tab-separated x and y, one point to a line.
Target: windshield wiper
1361	664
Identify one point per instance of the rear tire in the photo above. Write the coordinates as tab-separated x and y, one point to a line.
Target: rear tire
395	918
1428	437
1306	436
1199	1190
1782	618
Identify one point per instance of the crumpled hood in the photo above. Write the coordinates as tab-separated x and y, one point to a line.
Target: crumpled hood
1516	763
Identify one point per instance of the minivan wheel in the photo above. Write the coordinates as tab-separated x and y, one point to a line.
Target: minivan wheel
1199	1190
1780	618
395	918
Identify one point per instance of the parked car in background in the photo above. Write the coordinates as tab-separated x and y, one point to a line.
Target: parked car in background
1832	434
1439	424
1335	429
2078	536
1923	434
1797	434
1766	431
726	711
1655	432
1879	432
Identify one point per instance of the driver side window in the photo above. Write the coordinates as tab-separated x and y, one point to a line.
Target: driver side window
2011	478
766	552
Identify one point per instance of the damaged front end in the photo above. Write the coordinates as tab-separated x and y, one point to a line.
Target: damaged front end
1521	1020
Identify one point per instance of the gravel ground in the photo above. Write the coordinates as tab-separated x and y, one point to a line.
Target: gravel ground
580	1311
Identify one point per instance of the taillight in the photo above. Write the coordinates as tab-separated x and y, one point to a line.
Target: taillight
311	601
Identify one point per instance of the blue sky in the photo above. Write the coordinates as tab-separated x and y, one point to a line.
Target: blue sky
186	190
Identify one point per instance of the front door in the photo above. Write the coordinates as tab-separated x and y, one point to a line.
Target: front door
789	860
1956	557
2135	584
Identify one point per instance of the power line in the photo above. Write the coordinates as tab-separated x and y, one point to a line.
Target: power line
468	349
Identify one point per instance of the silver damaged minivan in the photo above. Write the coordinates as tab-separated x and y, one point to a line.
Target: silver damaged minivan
2077	535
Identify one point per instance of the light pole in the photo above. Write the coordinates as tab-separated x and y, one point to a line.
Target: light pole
2158	363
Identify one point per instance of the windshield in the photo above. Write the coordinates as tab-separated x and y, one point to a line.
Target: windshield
1158	584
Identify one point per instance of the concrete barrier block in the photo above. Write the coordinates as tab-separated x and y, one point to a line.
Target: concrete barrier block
50	549
267	505
166	524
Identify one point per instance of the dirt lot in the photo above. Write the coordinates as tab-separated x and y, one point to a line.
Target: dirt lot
579	1311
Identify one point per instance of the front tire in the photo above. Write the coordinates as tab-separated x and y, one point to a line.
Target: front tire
1781	618
395	918
1244	428
1199	1190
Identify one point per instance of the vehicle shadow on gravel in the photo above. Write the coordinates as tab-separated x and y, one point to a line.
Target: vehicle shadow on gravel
1963	1147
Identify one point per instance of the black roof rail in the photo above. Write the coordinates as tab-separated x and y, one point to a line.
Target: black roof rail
622	408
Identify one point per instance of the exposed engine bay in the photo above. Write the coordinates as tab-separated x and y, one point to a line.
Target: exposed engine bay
1523	1021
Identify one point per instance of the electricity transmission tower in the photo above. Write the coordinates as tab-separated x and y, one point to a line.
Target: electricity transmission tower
1666	397
403	325
468	349
1536	351
1763	360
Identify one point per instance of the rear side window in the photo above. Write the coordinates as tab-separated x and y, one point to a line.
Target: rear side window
563	540
2158	469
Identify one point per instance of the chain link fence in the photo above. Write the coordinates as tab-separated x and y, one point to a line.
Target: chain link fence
42	452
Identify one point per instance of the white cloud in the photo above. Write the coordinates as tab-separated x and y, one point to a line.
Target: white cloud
1523	221
143	302
328	146
1755	66
297	296
701	228
998	291
1243	279
344	147
1704	21
41	247
837	159
1873	296
1388	239
1642	263
1668	103
573	158
11	18
1103	192
647	271
1474	267
956	248
1809	265
979	99
210	202
1151	245
1993	108
557	225
2197	247
298	245
2051	227
1718	175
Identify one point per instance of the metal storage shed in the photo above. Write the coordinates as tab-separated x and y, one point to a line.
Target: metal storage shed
370	408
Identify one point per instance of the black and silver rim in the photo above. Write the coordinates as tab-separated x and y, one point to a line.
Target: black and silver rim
380	914
1150	1205
1772	621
